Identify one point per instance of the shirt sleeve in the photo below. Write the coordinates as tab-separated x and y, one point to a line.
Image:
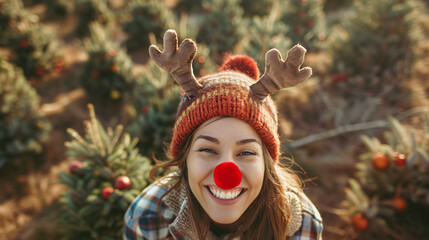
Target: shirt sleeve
312	225
142	220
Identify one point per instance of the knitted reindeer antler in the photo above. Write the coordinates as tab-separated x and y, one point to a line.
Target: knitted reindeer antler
178	61
281	74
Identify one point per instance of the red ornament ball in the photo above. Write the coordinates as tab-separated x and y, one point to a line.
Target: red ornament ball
145	110
339	77
122	182
23	43
112	52
75	166
95	74
40	71
227	175
400	159
106	192
380	161
399	203
360	222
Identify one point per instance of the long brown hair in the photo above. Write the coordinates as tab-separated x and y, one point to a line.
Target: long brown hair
266	218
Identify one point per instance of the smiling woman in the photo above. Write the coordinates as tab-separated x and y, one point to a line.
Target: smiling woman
226	180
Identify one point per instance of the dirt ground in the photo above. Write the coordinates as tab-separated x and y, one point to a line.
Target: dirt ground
29	195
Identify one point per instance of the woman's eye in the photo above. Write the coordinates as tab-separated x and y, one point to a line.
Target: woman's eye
208	150
245	153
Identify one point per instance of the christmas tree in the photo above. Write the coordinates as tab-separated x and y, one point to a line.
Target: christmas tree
13	16
106	176
373	51
390	197
188	7
306	21
88	11
157	98
107	75
221	26
59	8
260	8
203	64
34	50
147	17
22	128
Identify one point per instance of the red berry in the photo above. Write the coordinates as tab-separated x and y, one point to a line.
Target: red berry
213	22
40	71
112	52
360	222
340	77
75	166
23	43
122	182
400	159
59	65
95	74
106	192
145	110
399	203
297	30
201	59
114	67
309	23
380	161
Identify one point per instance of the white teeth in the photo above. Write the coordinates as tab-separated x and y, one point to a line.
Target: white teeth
219	193
228	195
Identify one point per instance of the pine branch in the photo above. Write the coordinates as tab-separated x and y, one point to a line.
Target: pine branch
353	128
337	131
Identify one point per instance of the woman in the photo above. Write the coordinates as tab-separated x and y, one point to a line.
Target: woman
226	181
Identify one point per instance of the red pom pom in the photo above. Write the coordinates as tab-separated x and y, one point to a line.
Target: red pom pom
241	63
227	175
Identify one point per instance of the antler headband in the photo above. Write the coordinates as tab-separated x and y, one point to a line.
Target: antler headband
278	74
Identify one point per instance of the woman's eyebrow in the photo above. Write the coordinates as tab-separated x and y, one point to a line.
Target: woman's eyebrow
208	138
249	140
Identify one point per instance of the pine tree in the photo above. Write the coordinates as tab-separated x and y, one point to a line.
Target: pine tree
106	176
221	26
13	16
373	51
157	98
390	197
203	64
188	6
253	8
88	11
107	75
35	51
59	8
264	34
147	17
22	128
306	21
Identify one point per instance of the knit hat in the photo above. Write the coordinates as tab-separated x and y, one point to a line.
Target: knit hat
235	91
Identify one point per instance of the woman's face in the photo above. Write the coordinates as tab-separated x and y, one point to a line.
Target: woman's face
225	140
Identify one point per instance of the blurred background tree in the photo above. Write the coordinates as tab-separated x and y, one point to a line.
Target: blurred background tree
22	128
107	75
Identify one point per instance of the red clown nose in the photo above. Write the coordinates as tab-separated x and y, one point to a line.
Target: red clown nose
227	175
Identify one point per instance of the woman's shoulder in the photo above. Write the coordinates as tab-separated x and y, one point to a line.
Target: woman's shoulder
311	220
142	218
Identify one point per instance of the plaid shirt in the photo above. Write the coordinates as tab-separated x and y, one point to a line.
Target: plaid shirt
142	221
